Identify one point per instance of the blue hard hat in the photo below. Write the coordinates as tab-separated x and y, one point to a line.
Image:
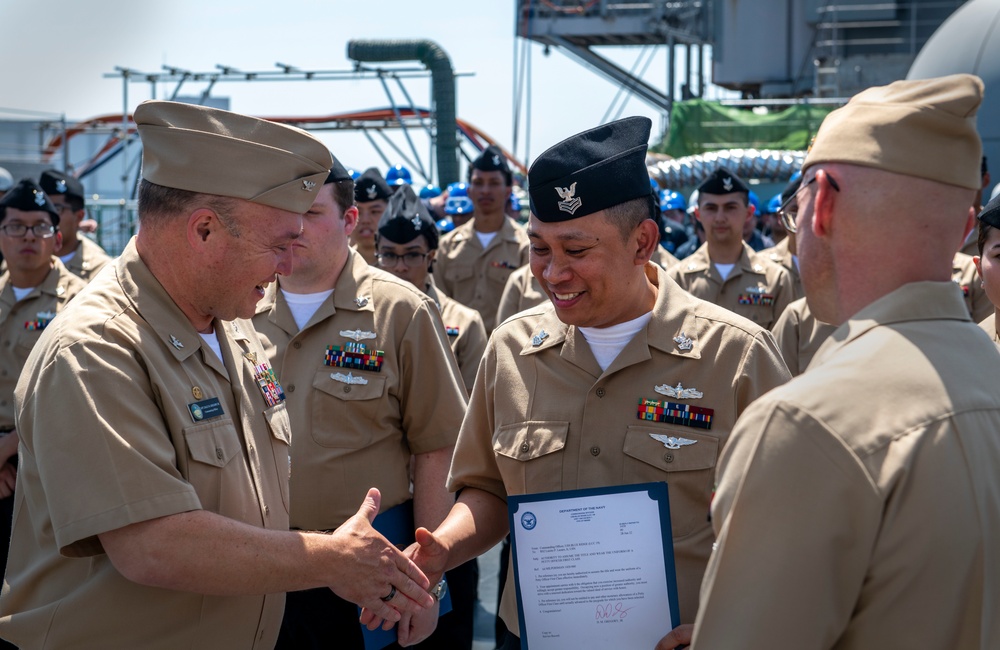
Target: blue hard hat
796	176
445	225
458	189
399	175
429	191
774	203
671	200
653	185
754	201
515	203
458	205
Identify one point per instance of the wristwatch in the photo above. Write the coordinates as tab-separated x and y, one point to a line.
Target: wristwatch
439	590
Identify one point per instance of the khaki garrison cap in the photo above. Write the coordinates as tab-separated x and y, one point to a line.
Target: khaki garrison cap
211	151
924	128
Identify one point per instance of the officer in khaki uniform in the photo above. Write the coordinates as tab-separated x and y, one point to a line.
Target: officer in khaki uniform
562	396
859	502
725	270
33	290
406	244
475	260
151	508
355	348
82	257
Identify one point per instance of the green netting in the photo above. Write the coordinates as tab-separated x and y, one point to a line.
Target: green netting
698	126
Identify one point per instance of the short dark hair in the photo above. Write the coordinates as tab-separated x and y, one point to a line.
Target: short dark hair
628	215
984	233
343	194
157	204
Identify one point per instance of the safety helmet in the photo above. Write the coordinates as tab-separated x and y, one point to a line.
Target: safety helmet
399	175
671	200
429	191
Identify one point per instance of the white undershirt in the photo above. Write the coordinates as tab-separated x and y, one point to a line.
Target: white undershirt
485	237
607	342
724	269
20	294
212	341
304	305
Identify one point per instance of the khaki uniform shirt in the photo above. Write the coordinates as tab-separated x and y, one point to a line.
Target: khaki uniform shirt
21	324
965	275
859	505
989	325
756	288
465	330
370	380
799	335
662	258
779	254
545	418
88	260
521	292
475	276
107	409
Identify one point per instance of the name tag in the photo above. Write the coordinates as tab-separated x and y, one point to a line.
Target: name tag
206	409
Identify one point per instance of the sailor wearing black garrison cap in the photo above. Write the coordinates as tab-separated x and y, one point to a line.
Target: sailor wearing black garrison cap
563	394
476	258
725	270
81	255
371	196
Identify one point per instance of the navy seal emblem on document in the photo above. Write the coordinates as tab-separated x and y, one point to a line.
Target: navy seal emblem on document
528	520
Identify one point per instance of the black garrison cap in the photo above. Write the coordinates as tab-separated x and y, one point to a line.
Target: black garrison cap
406	217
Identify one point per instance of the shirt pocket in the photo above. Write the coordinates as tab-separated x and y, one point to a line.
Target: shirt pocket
218	481
688	470
459	273
527	456
497	275
344	415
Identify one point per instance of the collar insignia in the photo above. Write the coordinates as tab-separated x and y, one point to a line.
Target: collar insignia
683	342
357	335
537	339
176	342
678	392
672	442
348	378
361	301
570	203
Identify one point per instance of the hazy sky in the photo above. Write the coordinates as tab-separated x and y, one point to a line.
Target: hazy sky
57	51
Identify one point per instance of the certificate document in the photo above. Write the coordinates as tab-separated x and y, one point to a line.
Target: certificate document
594	568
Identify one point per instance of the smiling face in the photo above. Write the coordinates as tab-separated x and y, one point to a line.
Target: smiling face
588	270
250	253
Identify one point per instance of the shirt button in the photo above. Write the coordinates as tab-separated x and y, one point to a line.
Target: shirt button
668	457
601	392
524	447
267	510
218	453
251	450
595	450
297	345
291	388
347	389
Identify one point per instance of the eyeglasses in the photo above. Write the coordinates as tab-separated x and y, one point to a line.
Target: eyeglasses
389	260
43	230
62	207
788	216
